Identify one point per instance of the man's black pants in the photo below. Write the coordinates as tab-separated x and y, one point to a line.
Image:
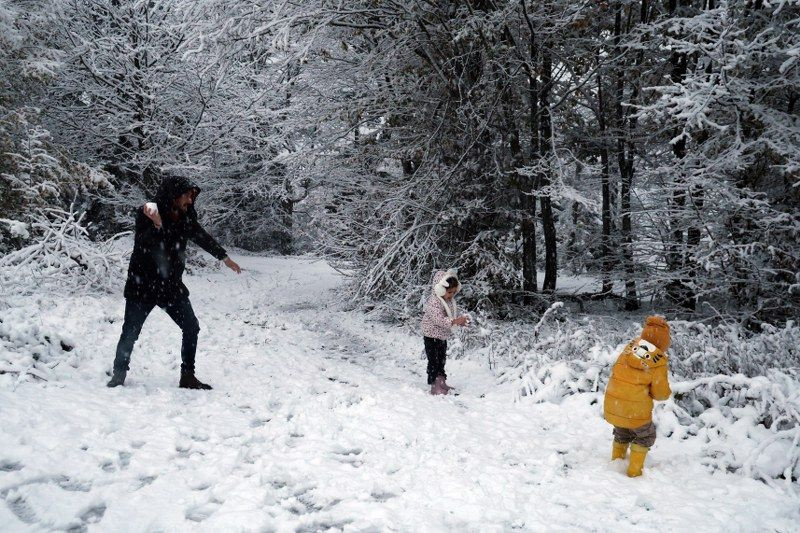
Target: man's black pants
136	313
436	350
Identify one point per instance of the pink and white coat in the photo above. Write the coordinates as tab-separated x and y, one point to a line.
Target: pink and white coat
438	314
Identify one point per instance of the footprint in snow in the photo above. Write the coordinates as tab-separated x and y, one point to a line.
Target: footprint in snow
382	496
198	513
145	481
183	450
74	485
259	422
342	381
305	500
324	525
350	456
277	484
20	507
293	438
25	513
7	465
351	400
305	497
124	460
94	514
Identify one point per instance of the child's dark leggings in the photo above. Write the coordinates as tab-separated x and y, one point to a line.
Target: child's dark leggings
643	436
436	350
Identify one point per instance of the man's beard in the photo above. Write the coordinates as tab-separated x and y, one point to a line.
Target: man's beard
178	211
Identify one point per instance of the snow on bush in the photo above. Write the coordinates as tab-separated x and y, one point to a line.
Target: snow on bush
62	255
16	228
746	423
28	352
735	394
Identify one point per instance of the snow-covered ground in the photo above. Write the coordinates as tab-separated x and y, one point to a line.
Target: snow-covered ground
321	420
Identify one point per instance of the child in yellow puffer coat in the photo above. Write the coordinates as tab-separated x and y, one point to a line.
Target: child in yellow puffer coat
639	376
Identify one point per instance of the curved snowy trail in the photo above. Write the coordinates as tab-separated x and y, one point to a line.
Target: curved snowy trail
320	420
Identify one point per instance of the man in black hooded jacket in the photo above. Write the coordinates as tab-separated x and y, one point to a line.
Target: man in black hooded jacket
155	270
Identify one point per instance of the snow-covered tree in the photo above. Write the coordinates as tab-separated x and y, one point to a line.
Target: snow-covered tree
178	86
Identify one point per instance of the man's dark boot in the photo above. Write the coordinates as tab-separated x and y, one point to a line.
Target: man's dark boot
117	380
188	381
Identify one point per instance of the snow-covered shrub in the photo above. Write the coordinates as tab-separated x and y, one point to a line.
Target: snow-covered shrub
27	351
198	262
36	173
61	254
702	349
735	391
516	348
745	423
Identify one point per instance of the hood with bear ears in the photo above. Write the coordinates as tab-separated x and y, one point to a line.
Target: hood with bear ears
440	285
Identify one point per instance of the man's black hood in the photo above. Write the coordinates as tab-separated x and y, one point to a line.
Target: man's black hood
171	187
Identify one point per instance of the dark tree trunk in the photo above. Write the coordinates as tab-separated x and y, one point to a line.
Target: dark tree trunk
693	234
527	203
625	165
677	289
548	221
529	272
605	178
284	236
529	281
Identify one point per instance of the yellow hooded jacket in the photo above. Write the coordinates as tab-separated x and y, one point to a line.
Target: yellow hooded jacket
633	386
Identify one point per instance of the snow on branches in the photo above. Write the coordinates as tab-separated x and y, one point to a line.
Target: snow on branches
28	351
62	255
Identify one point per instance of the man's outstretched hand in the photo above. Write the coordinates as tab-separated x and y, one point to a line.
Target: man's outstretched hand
230	263
151	210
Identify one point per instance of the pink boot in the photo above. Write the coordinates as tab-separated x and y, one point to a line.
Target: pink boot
439	388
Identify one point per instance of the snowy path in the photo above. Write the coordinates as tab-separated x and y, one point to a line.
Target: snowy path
320	420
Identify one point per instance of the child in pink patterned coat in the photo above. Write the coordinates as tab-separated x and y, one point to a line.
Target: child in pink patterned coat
441	314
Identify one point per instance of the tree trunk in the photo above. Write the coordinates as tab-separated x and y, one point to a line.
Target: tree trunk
625	165
605	179
527	206
529	273
548	221
677	289
284	236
